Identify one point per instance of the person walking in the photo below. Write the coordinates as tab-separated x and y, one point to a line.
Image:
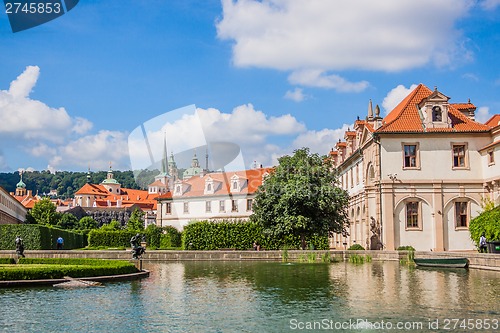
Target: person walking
482	244
60	243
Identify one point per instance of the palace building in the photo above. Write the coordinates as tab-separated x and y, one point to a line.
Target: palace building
11	210
418	175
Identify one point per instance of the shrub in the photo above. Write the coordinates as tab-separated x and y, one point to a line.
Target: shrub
170	238
406	248
488	222
356	247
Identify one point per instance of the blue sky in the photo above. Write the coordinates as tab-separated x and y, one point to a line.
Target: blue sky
270	76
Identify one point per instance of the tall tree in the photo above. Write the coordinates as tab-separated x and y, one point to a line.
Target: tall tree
301	197
44	212
136	221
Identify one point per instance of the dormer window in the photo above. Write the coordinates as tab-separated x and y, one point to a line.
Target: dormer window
235	185
178	189
209	187
437	114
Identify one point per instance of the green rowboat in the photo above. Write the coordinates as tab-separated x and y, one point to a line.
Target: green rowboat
442	262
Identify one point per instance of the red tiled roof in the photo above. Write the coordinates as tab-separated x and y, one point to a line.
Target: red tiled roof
350	133
196	184
92	189
405	117
494	121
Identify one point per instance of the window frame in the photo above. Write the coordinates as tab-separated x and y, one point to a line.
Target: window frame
417	155
234	205
418	214
208	206
186	207
222	206
491	157
465	156
467	214
249	205
168	208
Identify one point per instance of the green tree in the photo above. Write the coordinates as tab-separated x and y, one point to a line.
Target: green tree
87	222
136	221
44	212
487	223
301	198
113	225
68	221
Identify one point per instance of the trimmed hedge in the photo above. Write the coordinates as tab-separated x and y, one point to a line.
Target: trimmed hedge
38	237
7	261
110	238
54	268
239	235
166	237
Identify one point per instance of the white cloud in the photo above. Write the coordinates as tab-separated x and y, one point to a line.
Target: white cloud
482	114
471	77
490	4
395	96
96	150
317	78
247	128
321	141
296	95
342	35
25	118
41	150
81	125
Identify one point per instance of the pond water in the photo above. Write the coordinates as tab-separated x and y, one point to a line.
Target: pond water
265	297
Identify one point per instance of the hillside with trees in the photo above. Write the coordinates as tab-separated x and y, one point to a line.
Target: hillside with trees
67	182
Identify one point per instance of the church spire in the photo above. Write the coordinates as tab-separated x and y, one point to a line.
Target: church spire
370	110
164	168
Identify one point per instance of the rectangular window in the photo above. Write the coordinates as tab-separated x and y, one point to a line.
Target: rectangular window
461	214
491	157
168	208
410	156
208	206
412	214
234	205
249	204
459	156
222	208
186	207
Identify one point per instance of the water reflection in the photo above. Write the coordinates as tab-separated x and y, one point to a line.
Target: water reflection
209	296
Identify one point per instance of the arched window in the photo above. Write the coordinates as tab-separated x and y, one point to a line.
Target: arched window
437	114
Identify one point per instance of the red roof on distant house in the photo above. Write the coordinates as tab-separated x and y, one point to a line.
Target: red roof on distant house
222	183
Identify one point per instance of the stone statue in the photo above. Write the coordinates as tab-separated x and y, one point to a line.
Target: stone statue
137	249
19	246
375	243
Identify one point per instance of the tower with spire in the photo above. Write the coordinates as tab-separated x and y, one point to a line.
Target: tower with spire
21	186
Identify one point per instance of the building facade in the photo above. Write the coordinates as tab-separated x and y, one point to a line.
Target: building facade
11	210
210	196
417	176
